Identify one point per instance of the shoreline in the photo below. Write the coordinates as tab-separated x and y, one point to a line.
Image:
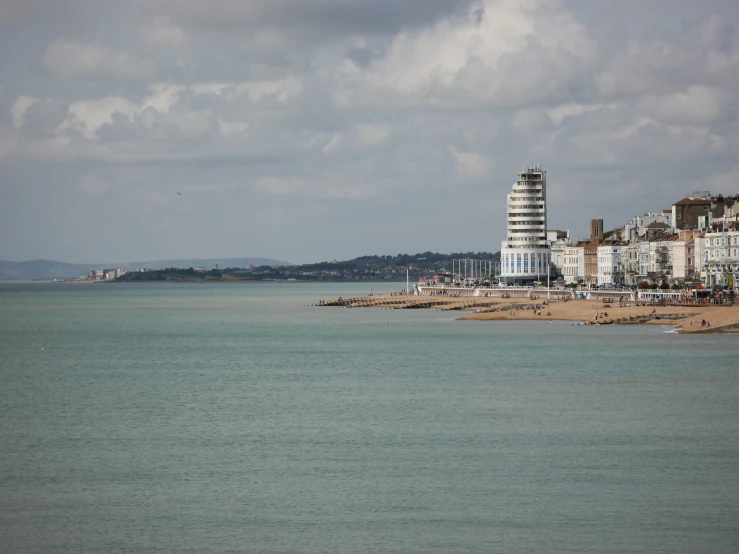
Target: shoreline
686	318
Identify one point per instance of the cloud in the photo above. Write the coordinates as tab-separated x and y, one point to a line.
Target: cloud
72	58
93	185
161	31
372	134
471	166
169	112
361	136
306	21
333	143
503	53
722	181
696	105
42	119
88	116
283	186
19	109
23	12
349	108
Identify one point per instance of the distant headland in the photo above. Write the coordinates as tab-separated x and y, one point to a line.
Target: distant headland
397	267
49	270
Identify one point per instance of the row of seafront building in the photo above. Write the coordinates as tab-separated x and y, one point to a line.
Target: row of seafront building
658	252
113	274
696	240
105	274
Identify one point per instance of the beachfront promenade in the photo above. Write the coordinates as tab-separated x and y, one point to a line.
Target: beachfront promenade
492	292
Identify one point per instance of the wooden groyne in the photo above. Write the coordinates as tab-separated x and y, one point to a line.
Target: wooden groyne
652	317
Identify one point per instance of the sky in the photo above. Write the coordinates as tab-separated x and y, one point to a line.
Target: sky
312	130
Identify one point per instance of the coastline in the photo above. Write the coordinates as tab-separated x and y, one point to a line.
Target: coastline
686	318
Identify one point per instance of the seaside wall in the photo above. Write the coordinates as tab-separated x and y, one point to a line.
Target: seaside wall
491	292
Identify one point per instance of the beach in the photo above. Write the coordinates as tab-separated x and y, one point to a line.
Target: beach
687	318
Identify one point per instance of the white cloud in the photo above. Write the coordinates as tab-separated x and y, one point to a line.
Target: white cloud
73	58
696	105
232	127
372	134
88	116
281	90
333	144
162	96
471	166
162	108
504	53
563	111
93	185
19	109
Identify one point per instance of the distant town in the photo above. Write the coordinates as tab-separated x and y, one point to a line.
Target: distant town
692	243
365	268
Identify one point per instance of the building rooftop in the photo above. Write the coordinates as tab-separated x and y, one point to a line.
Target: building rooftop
691	201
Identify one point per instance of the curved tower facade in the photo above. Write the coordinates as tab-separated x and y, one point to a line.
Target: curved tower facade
525	254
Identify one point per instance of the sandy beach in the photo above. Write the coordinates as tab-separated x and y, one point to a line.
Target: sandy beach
686	317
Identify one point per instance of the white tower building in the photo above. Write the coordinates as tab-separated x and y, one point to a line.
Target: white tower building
526	254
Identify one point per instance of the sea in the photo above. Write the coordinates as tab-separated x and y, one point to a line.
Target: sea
214	418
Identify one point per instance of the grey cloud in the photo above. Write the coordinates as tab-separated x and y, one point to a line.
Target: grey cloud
324	17
42	118
23	12
362	56
74	58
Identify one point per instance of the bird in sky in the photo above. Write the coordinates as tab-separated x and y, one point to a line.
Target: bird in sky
179	193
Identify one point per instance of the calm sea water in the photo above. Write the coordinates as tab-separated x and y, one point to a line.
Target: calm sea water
234	418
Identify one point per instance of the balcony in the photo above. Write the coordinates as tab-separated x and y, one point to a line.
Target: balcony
526	205
519	242
526	228
531	219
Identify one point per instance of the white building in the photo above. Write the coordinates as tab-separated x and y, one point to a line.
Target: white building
610	268
526	254
559	241
581	263
637	225
642	259
684	255
720	257
570	267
